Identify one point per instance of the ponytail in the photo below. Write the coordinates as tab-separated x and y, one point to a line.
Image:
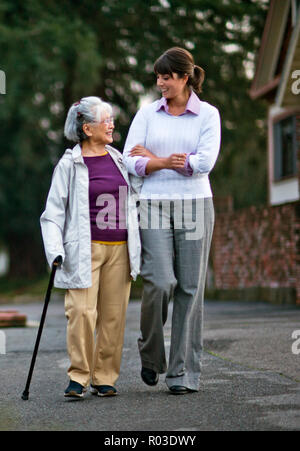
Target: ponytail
71	124
196	79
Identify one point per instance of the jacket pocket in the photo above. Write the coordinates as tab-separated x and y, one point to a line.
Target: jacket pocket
70	265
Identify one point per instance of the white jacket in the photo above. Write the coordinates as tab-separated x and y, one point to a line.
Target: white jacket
66	226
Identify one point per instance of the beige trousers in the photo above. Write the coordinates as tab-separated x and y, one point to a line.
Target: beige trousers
96	318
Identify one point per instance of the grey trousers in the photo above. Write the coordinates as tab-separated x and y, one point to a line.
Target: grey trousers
174	265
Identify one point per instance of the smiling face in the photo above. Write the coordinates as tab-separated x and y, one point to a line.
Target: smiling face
101	132
171	86
105	129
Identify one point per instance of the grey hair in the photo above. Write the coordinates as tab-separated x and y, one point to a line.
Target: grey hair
88	110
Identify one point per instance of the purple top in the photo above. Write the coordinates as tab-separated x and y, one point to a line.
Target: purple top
107	197
192	106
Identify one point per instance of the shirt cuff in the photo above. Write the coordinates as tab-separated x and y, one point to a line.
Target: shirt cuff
140	166
187	171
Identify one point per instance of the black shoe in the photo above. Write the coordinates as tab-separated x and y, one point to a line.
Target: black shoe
150	377
179	390
103	390
74	390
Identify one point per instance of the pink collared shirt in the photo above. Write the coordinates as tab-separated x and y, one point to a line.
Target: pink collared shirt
193	105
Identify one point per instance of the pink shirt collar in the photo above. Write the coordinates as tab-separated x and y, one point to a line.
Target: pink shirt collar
193	104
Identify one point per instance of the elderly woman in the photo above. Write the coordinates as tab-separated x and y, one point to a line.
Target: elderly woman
90	221
172	146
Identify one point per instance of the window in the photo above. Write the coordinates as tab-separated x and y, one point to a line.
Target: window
285	148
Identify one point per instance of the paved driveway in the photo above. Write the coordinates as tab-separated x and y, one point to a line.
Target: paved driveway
251	377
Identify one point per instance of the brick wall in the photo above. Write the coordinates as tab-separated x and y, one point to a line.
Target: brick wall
256	254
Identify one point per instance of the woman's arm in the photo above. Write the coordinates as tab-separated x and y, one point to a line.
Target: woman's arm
53	218
136	136
204	159
154	163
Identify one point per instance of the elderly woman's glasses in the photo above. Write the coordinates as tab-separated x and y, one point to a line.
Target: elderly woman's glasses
108	121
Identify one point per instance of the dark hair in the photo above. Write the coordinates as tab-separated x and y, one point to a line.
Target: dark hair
180	61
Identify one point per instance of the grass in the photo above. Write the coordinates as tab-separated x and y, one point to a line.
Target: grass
11	289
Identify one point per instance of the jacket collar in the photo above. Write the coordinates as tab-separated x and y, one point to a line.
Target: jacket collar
115	154
118	159
76	154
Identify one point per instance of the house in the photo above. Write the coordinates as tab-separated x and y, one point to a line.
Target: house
277	79
256	251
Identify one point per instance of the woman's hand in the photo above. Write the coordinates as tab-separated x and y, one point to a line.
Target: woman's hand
176	161
141	151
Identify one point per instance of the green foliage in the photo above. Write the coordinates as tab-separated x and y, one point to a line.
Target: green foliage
53	53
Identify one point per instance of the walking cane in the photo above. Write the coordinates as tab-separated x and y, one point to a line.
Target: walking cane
55	264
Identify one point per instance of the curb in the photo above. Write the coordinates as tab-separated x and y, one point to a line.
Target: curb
12	318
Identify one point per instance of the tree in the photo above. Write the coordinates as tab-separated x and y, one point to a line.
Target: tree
54	53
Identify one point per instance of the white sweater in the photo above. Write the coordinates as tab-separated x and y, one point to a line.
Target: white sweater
196	132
